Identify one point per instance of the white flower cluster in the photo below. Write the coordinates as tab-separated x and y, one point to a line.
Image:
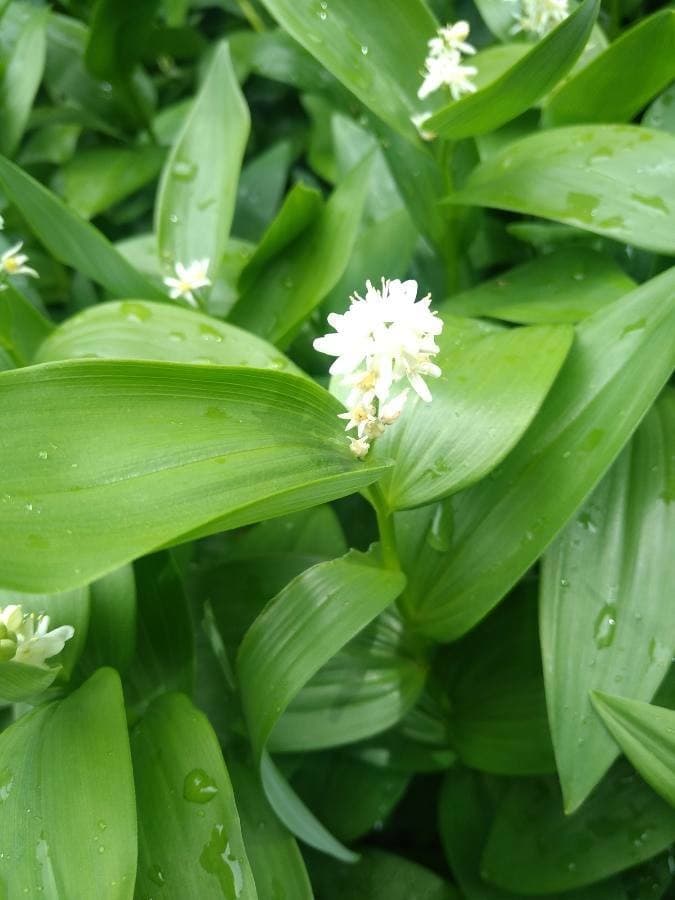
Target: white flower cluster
25	637
444	62
13	261
384	338
188	279
540	16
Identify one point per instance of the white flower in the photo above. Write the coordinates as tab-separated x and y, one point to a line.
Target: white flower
188	279
383	338
13	262
359	447
444	65
25	637
540	16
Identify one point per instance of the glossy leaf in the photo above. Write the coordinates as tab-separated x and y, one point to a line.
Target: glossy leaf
365	49
661	114
189	836
198	188
520	86
94	180
132	329
261	189
192	434
20	78
646	734
474	419
111	637
534	848
19	681
22	327
277	302
567	285
77	784
619	362
602	594
69	238
614	180
607	90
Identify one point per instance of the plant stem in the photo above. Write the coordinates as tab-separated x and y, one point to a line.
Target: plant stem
251	15
385	525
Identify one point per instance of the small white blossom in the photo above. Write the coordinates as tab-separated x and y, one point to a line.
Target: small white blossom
540	16
25	637
444	63
359	447
188	279
13	262
383	338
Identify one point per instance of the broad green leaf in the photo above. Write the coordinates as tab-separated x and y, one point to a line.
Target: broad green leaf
378	876
534	848
198	187
261	189
603	618
272	851
498	721
567	285
198	450
287	290
111	637
377	57
69	238
472	422
189	837
646	734
22	327
133	329
364	689
466	810
607	90
20	78
299	632
164	635
661	114
96	179
614	180
67	813
521	85
348	795
19	681
619	362
119	33
65	608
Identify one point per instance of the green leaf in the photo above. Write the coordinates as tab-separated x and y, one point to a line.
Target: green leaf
466	810
567	285
498	721
472	423
198	450
287	290
522	85
70	239
164	638
19	681
158	331
96	179
119	33
498	17
298	633
534	848
20	78
22	327
377	57
613	180
661	114
646	734
198	187
67	816
111	637
261	188
606	90
602	595
378	876
189	836
273	853
618	364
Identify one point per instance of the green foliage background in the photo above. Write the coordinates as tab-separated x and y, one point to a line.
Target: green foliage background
443	672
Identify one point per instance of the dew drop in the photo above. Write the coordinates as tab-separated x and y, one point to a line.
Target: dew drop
199	787
605	626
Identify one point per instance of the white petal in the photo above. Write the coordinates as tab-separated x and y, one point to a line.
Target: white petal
418	385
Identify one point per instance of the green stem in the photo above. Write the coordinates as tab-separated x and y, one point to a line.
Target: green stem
446	152
251	15
385	525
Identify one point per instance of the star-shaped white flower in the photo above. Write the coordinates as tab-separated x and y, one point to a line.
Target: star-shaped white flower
13	262
540	16
444	63
25	637
188	279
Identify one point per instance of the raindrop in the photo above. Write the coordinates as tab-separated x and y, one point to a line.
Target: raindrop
199	787
156	875
43	454
605	626
184	171
217	859
364	50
